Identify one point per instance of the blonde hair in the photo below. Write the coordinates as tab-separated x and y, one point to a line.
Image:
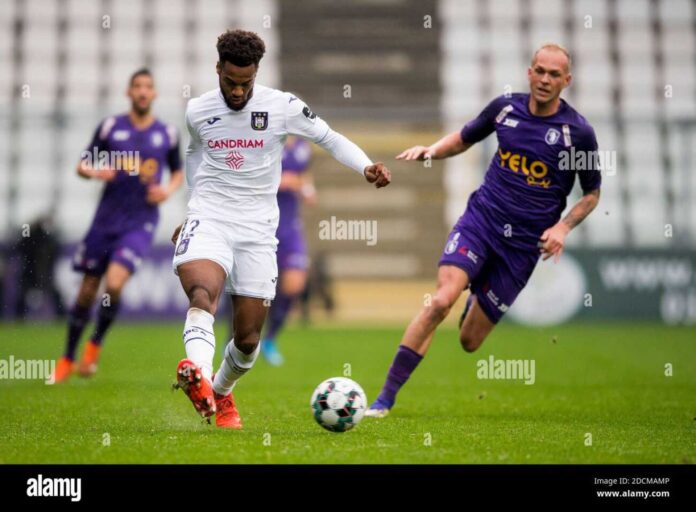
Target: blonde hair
553	46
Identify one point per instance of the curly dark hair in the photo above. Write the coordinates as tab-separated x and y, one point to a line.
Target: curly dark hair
240	47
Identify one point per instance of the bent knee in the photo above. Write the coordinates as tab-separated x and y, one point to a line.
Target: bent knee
440	306
114	292
86	297
292	289
202	298
88	293
247	342
471	341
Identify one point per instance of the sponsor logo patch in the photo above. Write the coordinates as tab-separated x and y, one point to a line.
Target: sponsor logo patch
452	244
234	160
309	114
512	123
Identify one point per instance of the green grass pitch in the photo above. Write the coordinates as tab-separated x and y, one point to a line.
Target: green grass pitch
605	380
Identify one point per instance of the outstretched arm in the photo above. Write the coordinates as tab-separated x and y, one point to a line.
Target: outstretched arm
301	121
350	155
89	167
85	170
553	239
449	145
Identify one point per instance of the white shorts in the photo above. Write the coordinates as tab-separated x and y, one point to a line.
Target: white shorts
247	255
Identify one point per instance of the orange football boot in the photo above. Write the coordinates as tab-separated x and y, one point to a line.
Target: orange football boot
199	389
90	358
227	415
64	368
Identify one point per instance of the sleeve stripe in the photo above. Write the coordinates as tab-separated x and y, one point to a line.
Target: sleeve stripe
108	123
173	136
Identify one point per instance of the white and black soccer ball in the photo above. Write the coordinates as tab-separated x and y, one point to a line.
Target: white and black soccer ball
338	404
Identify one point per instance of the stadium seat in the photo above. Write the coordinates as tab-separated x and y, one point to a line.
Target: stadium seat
597	9
547	12
633	13
82	13
457	10
676	13
505	13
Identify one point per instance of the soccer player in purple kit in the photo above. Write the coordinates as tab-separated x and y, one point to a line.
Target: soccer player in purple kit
292	248
513	217
138	147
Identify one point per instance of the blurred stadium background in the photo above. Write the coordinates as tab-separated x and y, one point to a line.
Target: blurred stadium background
389	74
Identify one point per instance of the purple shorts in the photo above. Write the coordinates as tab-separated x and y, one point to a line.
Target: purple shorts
98	249
497	272
292	248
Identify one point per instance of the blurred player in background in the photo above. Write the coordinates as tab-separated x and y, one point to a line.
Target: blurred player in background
38	254
512	217
233	167
128	152
295	185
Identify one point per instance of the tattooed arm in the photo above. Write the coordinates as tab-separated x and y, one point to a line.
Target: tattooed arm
553	238
582	209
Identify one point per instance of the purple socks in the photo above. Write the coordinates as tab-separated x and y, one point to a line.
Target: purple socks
106	316
77	320
277	314
405	362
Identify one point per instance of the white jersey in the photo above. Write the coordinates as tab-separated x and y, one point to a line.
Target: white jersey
233	161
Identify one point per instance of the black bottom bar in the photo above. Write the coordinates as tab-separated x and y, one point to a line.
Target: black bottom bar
339	486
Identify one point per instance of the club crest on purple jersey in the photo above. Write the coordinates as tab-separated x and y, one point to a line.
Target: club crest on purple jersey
552	136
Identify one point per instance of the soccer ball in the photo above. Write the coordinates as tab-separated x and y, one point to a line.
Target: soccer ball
338	404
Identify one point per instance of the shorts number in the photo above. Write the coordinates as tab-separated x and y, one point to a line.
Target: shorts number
186	235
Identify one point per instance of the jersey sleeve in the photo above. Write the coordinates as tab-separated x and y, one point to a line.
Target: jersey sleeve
194	150
591	177
483	125
100	139
174	152
301	121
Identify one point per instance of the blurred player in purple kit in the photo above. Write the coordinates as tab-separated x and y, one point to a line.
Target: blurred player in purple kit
138	148
295	185
513	217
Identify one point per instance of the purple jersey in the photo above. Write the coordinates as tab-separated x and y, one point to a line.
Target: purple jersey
292	248
296	157
123	204
532	172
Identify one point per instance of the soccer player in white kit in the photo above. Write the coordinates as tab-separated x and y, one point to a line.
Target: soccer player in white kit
233	168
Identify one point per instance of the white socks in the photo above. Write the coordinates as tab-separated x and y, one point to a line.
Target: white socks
235	364
199	340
